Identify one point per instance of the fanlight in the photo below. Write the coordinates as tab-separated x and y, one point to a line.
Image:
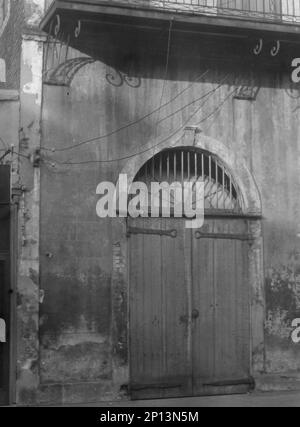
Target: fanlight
192	165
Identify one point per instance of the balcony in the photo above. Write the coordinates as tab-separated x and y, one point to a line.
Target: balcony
265	10
273	20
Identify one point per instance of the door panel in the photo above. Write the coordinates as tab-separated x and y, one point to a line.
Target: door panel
203	301
222	332
158	305
176	300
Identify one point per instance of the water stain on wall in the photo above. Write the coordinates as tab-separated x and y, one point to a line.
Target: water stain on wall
282	286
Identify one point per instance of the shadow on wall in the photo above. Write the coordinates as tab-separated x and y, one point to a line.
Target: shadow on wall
132	54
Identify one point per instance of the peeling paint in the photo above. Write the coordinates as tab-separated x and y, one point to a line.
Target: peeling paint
32	56
87	361
34	11
283	307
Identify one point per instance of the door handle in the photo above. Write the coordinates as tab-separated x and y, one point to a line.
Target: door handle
195	314
187	319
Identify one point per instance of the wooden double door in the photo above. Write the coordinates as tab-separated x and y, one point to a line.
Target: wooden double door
189	308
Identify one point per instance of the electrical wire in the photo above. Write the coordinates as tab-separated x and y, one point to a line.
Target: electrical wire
4	155
216	110
165	77
14	153
195	100
132	155
4	144
98	138
128	125
11	151
206	95
152	147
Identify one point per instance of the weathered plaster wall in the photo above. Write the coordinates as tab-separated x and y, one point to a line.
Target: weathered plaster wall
28	294
10	45
22	17
34	10
81	346
20	106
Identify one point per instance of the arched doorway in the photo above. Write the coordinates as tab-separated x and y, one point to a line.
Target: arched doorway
189	290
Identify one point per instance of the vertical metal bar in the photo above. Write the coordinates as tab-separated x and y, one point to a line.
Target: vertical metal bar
224	193
153	168
168	167
160	167
60	48
48	47
175	166
217	183
230	183
67	53
202	167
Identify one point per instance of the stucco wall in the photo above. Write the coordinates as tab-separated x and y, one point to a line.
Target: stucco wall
75	357
25	255
10	44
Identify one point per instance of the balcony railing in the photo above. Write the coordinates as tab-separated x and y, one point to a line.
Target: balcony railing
271	10
266	12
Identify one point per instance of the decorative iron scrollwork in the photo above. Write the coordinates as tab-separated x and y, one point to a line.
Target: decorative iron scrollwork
59	69
78	30
248	93
293	92
115	78
57	25
259	47
64	73
276	49
249	89
118	78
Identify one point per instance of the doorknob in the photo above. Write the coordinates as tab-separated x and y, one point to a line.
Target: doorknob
187	319
195	314
184	319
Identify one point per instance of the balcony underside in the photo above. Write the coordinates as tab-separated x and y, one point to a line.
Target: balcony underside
92	13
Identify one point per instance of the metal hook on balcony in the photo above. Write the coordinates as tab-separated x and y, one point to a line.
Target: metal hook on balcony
57	26
259	47
275	49
78	29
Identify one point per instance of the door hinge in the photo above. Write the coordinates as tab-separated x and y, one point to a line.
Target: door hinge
231	383
150	231
162	386
224	236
